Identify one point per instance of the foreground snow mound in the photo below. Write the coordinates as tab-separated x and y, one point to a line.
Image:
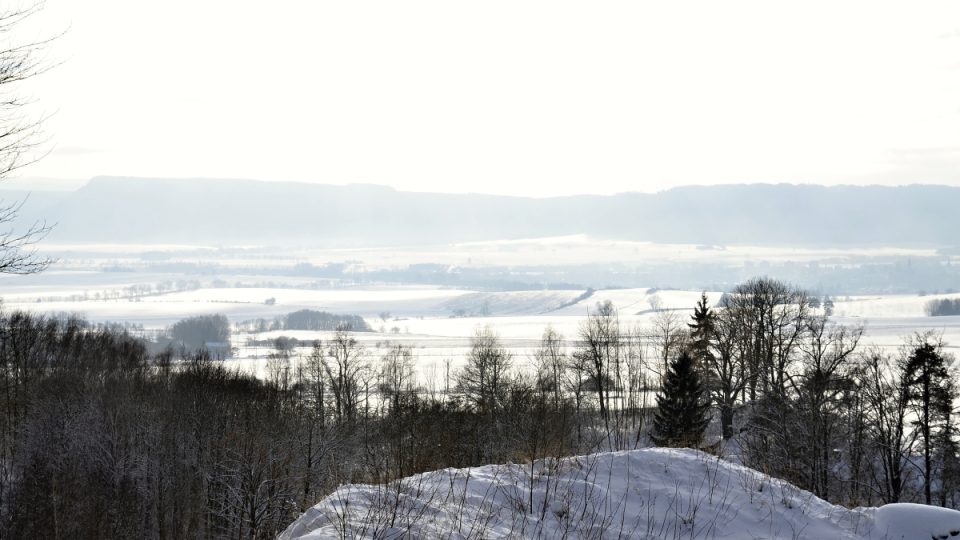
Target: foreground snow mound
907	521
650	493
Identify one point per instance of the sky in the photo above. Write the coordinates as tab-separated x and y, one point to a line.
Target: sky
509	97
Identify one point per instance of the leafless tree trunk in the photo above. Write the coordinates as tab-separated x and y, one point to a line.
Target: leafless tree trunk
888	406
396	375
822	390
343	368
669	335
727	367
551	363
599	347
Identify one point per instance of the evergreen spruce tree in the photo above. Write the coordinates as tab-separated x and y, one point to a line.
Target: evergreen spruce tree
701	336
701	330
682	409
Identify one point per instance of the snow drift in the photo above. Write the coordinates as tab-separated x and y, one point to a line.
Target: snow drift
649	493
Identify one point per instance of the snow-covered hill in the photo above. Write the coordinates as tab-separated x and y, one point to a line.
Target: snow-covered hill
646	494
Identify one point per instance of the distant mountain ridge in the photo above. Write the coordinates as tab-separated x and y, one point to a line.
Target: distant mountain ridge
230	212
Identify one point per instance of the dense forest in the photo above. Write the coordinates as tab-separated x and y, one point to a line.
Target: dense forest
102	440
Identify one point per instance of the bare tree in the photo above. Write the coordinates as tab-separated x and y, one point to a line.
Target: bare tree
278	362
551	362
822	391
599	350
885	383
344	368
314	445
316	380
19	137
396	376
483	380
634	352
669	336
774	315
726	363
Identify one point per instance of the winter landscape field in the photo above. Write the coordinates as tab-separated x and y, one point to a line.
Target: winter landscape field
420	269
437	320
635	492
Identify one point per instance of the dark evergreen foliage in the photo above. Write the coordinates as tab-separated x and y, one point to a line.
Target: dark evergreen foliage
700	344
701	330
682	409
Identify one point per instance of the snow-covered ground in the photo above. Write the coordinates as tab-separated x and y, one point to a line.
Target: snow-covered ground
436	321
887	306
570	249
646	494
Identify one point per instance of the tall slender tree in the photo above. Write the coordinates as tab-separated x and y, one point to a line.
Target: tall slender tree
700	343
701	329
931	391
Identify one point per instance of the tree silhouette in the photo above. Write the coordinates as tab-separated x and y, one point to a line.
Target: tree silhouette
931	391
19	137
682	411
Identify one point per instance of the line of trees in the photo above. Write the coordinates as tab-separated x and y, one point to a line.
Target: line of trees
98	438
942	307
851	424
307	319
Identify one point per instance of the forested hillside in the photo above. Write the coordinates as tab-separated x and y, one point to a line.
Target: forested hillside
247	211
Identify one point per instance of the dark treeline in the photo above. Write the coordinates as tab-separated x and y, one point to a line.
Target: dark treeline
102	440
942	307
307	319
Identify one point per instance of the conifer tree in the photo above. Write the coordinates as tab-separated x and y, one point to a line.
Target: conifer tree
932	392
682	409
701	330
700	344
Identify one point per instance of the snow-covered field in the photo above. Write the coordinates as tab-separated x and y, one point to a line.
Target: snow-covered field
555	250
646	494
436	321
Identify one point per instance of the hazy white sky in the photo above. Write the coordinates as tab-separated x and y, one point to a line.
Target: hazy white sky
513	97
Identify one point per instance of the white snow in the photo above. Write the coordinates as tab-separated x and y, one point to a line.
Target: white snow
887	306
644	494
907	521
